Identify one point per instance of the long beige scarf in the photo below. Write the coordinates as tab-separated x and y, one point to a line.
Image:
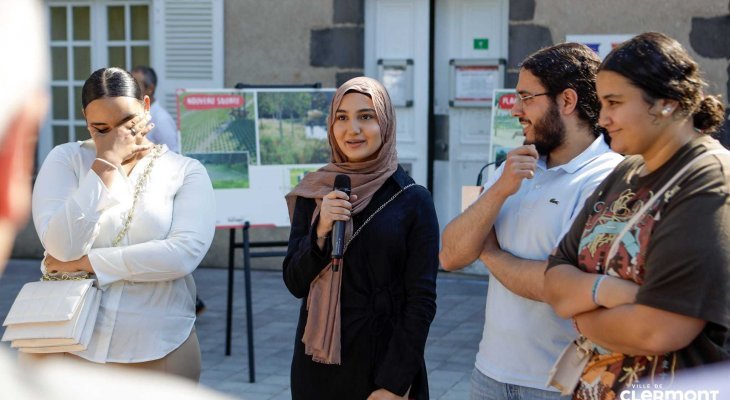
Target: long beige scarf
322	331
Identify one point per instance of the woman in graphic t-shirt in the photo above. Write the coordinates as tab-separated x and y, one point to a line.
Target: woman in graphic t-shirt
659	301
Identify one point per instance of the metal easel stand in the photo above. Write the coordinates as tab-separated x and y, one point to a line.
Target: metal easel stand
246	245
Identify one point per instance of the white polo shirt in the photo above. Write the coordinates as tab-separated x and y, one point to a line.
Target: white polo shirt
165	130
522	338
148	292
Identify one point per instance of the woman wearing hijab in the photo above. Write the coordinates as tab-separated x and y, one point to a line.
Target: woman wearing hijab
644	269
362	327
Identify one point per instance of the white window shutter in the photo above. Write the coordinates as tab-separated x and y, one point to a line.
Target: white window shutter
187	47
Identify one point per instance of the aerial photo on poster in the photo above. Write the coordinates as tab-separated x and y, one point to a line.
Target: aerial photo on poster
219	130
256	145
293	127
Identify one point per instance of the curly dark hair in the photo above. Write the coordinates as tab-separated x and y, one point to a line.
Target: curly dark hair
661	68
569	66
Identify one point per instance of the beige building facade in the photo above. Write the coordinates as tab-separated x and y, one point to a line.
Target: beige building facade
219	43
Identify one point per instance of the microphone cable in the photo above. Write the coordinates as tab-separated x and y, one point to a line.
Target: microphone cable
500	159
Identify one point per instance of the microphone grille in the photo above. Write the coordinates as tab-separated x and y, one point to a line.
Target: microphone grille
342	181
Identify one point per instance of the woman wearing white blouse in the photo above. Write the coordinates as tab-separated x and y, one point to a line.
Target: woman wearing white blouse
137	216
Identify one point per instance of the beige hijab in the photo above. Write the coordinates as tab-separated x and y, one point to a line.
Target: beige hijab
322	332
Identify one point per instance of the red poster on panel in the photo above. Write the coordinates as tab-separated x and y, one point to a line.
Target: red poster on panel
507	101
210	101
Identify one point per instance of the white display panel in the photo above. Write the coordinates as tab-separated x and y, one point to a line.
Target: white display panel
256	145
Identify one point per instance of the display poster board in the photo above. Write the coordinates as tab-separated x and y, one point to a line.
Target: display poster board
473	82
601	44
256	145
506	132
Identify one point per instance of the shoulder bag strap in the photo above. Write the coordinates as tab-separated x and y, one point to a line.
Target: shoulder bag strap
382	206
635	218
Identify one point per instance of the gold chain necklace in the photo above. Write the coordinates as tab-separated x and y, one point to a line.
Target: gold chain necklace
138	188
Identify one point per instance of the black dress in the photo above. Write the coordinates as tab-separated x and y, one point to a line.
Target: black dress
387	301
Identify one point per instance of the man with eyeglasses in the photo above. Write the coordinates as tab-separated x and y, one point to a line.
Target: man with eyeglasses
525	209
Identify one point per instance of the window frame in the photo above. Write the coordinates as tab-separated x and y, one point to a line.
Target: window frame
98	44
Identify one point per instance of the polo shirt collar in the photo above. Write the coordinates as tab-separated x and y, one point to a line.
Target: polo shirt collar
596	149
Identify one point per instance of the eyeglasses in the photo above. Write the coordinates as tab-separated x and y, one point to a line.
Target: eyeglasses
523	99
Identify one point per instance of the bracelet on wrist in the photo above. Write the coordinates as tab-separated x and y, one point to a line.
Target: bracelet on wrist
575	326
103	161
323	237
594	291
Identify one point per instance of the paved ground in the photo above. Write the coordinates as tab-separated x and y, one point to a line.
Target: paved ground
450	350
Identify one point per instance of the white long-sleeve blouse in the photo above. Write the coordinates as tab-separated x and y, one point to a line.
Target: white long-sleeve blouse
148	293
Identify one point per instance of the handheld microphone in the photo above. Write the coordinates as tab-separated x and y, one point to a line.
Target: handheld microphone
500	159
342	183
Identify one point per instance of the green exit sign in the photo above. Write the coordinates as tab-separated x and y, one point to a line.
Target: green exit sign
481	44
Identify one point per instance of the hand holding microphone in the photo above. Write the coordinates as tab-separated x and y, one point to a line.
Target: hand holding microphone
342	184
334	213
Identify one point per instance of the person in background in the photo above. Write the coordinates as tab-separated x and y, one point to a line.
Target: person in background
527	206
645	274
20	118
362	326
165	131
142	221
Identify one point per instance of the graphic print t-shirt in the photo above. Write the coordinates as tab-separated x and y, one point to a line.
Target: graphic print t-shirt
679	252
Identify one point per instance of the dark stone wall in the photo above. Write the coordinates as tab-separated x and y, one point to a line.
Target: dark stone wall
521	10
343	77
337	47
341	45
710	37
525	37
349	11
523	41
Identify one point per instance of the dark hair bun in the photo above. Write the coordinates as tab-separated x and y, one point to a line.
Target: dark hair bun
710	114
109	82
